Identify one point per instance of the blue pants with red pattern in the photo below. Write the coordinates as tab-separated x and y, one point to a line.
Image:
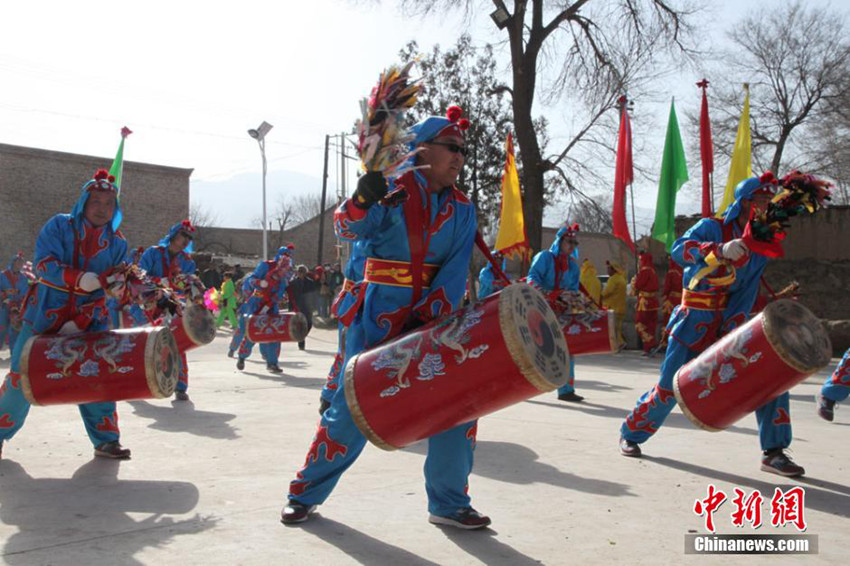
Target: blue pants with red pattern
338	443
837	386
269	351
570	385
100	419
652	408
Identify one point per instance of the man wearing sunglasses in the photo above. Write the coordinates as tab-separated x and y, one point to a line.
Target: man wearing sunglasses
419	231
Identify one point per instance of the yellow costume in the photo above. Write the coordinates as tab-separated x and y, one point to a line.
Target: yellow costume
589	280
614	297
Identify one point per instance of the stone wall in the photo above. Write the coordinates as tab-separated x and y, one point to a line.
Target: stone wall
36	184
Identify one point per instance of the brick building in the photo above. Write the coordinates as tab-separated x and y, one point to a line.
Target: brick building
36	184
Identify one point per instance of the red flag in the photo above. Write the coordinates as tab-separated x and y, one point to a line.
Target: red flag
706	153
623	176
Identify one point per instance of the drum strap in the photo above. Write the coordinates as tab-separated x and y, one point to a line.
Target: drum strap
497	269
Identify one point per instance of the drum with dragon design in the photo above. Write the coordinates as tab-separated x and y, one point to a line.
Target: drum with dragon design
752	365
93	367
477	360
281	327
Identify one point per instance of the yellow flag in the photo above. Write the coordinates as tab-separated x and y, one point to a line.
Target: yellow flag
511	239
741	167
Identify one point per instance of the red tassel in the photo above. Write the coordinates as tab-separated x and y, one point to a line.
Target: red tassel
463	124
454	113
101	174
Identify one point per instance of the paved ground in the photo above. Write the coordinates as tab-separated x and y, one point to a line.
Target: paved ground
208	478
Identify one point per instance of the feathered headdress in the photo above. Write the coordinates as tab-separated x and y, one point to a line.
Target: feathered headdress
381	139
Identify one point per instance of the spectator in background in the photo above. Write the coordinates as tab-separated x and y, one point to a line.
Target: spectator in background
323	279
300	290
238	274
211	278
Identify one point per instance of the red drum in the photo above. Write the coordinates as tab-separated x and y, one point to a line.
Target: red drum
588	329
93	367
282	327
195	328
752	365
475	361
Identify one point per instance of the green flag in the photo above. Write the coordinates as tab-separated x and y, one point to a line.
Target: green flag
674	174
117	168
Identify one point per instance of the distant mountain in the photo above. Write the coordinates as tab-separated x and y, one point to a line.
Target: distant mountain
237	201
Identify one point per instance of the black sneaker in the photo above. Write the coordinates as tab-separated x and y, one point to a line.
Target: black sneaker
274	368
181	396
295	512
571	397
826	407
629	448
112	450
230	354
466	518
240	364
777	462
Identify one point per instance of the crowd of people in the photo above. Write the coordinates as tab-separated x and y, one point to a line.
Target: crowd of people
412	239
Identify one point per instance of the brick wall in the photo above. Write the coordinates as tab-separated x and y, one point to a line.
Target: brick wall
36	184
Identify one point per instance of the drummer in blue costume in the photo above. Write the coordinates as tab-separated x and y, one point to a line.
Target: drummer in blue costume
420	239
163	263
264	289
555	270
72	253
488	283
712	309
13	286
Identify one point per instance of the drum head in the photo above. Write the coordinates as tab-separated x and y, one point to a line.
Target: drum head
298	327
797	335
162	362
534	336
199	324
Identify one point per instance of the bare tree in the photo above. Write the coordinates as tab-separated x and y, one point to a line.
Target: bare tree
600	49
306	207
796	60
201	216
591	214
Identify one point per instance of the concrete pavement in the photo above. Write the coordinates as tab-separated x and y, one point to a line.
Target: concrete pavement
208	478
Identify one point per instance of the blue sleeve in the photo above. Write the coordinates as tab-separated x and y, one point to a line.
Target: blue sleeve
352	223
697	243
50	253
149	261
485	282
252	282
541	274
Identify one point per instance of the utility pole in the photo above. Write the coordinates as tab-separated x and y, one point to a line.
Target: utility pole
324	194
342	164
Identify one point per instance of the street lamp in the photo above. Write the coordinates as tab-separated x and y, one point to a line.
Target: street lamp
501	17
260	135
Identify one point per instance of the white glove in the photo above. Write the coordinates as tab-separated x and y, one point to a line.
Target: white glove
264	283
89	282
733	250
69	327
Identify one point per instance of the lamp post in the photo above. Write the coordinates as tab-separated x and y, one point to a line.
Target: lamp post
260	135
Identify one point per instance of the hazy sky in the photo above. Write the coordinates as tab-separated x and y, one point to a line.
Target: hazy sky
190	77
